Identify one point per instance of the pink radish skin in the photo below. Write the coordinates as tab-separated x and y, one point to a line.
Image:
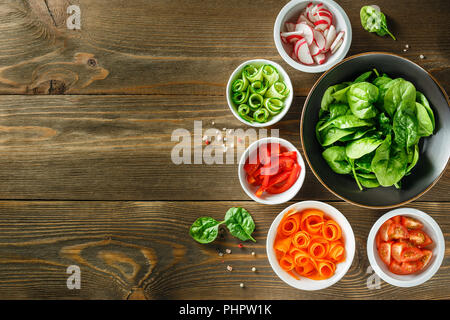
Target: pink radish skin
292	37
319	39
320	58
303	19
303	54
297	46
331	35
306	31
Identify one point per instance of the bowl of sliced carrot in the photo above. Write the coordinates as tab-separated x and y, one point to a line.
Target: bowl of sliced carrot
310	245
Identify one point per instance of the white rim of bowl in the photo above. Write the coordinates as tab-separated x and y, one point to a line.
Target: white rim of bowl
321	284
298	184
288	100
421	277
337	56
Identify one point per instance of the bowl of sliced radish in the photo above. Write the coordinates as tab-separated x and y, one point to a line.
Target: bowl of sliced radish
312	36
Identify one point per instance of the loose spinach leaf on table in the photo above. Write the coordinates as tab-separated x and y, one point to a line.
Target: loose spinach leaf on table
374	20
240	223
205	229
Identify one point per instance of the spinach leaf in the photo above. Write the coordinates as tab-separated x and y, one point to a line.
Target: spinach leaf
414	160
355	176
332	134
425	124
405	125
359	133
374	20
364	164
368	183
337	160
389	163
205	229
358	148
420	97
240	223
361	97
341	95
400	91
346	122
363	77
327	96
337	109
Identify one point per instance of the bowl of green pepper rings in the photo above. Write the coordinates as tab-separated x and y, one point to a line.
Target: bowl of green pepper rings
259	93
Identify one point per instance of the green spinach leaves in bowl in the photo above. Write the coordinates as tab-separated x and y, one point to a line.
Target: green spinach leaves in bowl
370	128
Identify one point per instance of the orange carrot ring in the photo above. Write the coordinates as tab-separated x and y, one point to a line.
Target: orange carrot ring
287	263
312	221
290	225
337	251
301	240
331	230
319	248
301	258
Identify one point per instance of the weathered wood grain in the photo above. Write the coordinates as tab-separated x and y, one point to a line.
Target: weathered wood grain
119	148
142	249
162	47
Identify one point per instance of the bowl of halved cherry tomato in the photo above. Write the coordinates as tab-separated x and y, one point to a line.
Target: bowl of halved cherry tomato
271	171
406	247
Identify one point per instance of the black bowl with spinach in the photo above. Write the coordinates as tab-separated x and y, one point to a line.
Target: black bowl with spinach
375	130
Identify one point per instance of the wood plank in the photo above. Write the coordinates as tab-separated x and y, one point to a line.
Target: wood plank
145	48
119	148
143	250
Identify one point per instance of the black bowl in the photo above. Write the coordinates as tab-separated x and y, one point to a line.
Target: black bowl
434	150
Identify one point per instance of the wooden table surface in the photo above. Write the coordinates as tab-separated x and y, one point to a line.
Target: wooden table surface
86	118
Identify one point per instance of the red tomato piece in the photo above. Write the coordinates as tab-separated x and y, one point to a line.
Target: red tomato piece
411	267
411	254
384	230
385	252
420	238
411	223
396	219
378	240
397	249
427	255
397	231
396	267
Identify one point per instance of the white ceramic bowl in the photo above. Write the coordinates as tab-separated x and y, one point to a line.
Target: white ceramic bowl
267	198
438	249
341	268
290	12
283	76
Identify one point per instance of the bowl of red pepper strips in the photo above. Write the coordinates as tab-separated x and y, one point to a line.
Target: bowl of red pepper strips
271	171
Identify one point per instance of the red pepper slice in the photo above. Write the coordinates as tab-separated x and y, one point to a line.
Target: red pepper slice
289	182
290	154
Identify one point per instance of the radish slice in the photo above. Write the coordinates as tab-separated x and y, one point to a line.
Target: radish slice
321	24
336	46
314	49
290	26
325	32
292	37
320	58
304	55
331	35
297	46
320	40
304	19
308	10
306	31
337	42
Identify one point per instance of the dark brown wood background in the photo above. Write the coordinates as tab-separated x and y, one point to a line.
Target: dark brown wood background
86	119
